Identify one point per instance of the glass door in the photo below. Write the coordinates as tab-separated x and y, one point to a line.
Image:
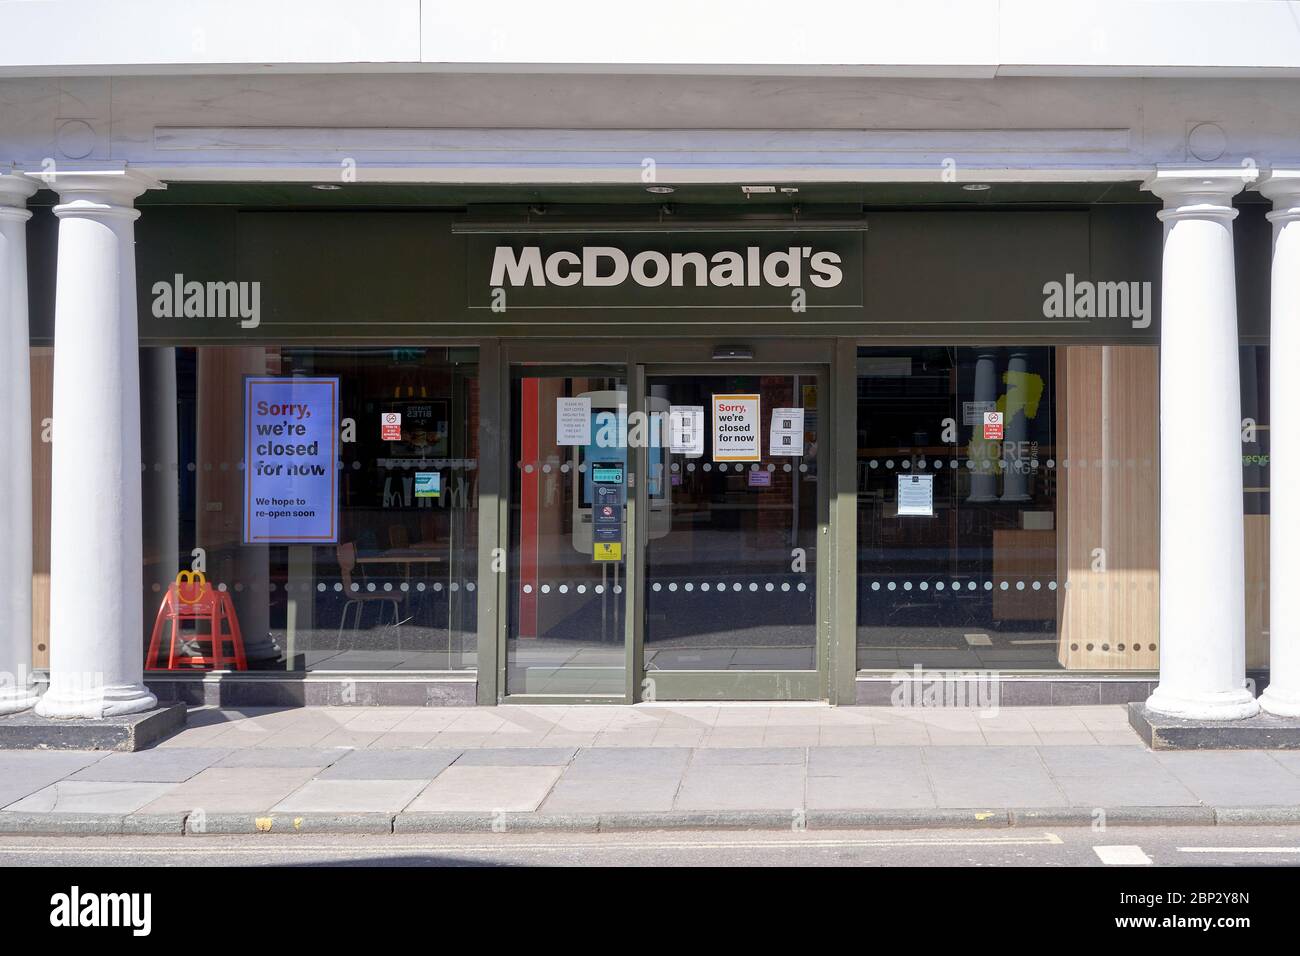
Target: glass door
567	588
733	506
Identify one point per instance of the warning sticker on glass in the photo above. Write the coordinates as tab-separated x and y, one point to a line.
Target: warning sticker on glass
786	432
686	430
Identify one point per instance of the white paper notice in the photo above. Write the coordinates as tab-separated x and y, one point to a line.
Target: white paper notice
572	421
686	430
916	495
787	431
735	428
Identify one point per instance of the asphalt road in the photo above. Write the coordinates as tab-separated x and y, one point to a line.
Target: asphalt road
1117	846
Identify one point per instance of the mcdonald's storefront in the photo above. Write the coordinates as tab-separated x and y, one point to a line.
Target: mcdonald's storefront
448	449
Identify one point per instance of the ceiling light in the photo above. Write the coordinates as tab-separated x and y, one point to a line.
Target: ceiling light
754	190
660	190
976	187
326	187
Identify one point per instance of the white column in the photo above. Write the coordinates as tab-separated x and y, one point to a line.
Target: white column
1202	551
17	691
1282	696
96	624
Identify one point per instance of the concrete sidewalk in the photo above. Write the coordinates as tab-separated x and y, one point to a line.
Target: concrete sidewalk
595	767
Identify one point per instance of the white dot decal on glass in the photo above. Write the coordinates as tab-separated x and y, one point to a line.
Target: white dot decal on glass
938	585
924	586
785	586
736	586
721	586
355	586
970	585
455	585
1020	585
156	587
708	466
420	587
1051	585
546	469
655	587
564	589
388	586
905	465
405	587
872	463
370	587
581	589
690	466
528	469
582	467
546	589
672	586
953	463
688	586
1033	463
600	589
892	586
319	587
875	586
1051	463
889	463
769	586
618	589
786	467
970	464
721	467
675	468
803	468
771	466
753	586
802	587
564	469
1004	585
988	585
704	586
907	585
437	585
1038	585
528	589
754	467
469	586
338	586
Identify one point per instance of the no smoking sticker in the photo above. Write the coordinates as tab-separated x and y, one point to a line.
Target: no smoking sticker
993	426
390	426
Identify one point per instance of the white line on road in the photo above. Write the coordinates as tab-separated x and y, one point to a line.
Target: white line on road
200	845
1130	855
1239	849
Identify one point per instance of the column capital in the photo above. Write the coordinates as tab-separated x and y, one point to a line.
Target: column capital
15	190
98	193
1282	186
1199	193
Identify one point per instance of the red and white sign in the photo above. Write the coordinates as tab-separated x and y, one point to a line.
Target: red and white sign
993	426
390	426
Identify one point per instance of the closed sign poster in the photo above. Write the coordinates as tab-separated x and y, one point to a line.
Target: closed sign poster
291	428
735	428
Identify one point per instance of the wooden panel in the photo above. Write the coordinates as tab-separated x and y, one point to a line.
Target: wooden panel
1257	565
1023	556
42	409
1108	507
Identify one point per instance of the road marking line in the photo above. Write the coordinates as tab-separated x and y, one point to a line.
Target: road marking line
264	845
1239	849
1122	855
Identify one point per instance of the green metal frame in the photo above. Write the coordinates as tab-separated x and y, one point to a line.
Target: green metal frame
636	360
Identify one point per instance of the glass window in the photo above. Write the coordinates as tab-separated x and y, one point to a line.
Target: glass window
1008	508
371	568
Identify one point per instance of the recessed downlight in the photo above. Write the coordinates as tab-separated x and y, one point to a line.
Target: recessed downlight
976	187
660	190
326	187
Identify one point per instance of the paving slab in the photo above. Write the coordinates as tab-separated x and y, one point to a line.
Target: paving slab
282	757
232	790
869	777
90	796
1098	776
735	786
167	765
991	777
390	765
619	779
748	756
487	788
517	757
351	796
1233	778
24	772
